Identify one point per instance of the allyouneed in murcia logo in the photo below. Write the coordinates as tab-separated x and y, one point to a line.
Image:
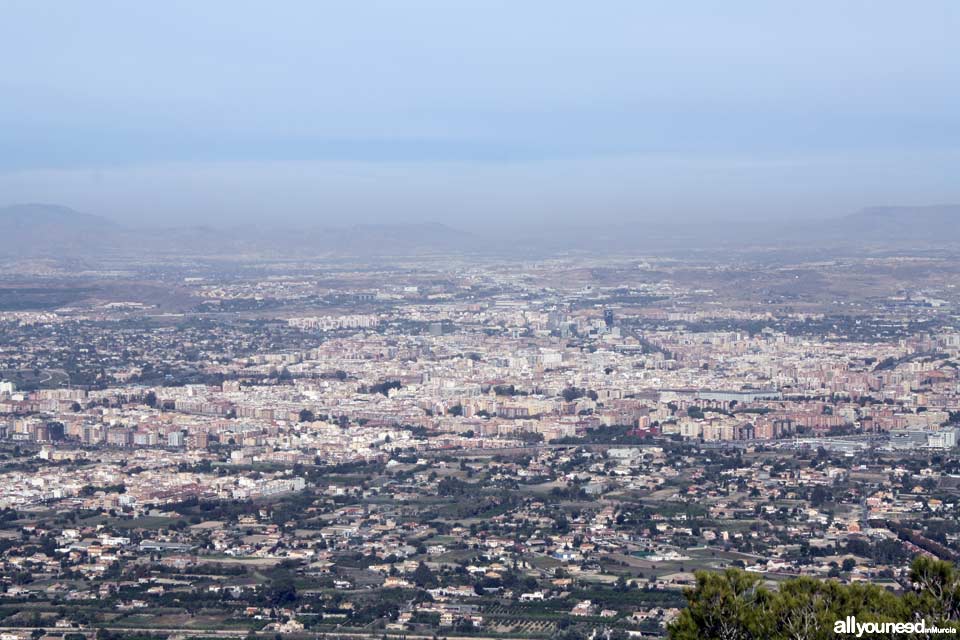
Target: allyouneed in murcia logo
850	626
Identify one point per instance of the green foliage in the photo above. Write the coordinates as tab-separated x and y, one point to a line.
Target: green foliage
574	393
938	594
381	387
424	577
735	605
282	591
450	486
732	605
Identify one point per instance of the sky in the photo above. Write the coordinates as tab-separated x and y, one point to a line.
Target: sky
478	112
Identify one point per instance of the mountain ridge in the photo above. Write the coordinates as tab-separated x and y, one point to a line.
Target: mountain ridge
36	229
35	213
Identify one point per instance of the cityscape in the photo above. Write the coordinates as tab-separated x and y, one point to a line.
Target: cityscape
479	320
484	447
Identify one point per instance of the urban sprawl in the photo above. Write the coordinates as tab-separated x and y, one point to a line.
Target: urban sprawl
527	449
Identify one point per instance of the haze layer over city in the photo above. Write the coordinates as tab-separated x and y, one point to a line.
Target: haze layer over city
479	320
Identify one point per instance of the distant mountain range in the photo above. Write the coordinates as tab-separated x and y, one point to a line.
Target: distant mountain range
38	230
937	223
42	230
33	215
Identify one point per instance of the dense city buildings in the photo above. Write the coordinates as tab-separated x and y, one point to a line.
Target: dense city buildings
468	448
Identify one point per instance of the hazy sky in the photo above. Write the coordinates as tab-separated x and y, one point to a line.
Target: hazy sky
454	110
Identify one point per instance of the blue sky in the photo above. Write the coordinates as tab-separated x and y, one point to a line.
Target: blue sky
469	111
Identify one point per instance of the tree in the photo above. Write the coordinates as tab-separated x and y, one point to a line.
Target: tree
938	588
424	578
807	608
282	591
306	416
572	393
728	606
818	496
735	606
